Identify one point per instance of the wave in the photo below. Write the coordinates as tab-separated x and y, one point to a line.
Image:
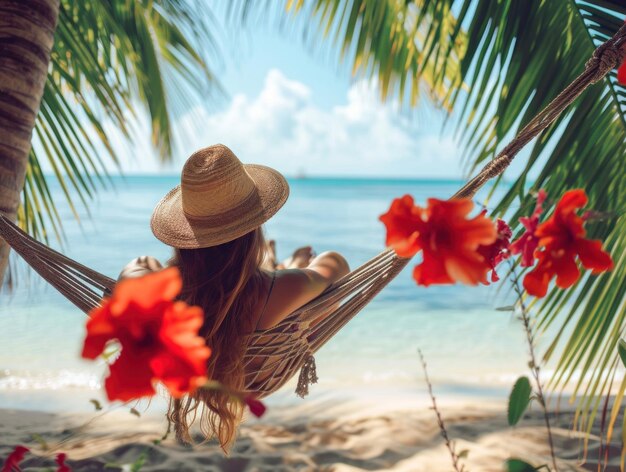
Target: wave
63	379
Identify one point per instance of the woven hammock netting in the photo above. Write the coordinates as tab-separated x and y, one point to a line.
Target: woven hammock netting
275	355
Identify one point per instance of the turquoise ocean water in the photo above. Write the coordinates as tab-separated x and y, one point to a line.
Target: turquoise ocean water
471	348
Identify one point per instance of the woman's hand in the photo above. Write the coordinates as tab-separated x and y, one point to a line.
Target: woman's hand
300	258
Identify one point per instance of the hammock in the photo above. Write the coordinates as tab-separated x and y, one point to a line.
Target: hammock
290	346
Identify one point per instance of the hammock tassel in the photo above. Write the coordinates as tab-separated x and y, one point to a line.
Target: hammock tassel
308	375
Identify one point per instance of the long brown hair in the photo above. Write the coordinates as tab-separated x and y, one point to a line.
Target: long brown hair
226	281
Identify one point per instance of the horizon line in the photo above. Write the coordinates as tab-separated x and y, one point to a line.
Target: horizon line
287	176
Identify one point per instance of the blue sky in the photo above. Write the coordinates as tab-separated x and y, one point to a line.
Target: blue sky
298	110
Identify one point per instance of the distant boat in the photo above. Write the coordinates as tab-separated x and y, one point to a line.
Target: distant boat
301	175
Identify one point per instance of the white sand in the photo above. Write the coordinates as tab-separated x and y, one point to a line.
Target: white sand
322	434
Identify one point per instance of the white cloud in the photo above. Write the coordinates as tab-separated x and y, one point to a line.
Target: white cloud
283	128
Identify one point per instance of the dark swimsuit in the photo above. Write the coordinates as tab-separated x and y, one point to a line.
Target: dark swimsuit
269	292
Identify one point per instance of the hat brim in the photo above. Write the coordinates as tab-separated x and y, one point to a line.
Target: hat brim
171	226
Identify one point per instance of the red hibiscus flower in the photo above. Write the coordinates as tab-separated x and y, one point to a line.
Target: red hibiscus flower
158	337
561	239
497	251
12	462
257	408
527	243
448	238
403	221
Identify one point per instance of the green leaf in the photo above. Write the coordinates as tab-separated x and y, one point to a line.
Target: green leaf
519	400
97	405
518	465
139	463
463	454
621	348
506	308
42	442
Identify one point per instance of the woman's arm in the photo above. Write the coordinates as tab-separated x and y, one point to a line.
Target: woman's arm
294	288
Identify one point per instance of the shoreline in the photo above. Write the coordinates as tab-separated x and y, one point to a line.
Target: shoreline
79	400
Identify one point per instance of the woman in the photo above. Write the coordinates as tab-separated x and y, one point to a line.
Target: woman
213	221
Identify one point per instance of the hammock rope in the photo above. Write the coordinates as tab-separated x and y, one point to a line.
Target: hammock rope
275	355
605	58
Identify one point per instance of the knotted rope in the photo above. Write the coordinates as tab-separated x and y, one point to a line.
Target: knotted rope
308	376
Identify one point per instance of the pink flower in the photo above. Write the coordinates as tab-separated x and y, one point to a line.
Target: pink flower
12	463
60	460
528	242
497	251
257	408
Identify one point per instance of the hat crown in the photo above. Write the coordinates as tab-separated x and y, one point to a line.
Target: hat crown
214	181
218	200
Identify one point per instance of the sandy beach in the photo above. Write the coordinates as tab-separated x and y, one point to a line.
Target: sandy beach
347	436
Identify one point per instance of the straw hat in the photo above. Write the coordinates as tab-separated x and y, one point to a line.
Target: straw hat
219	199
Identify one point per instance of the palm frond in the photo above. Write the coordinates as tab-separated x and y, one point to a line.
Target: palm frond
390	40
536	49
111	59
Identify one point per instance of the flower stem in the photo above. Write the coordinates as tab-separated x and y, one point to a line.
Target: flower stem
442	427
534	366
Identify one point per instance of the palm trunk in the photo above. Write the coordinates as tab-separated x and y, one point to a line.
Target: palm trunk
26	38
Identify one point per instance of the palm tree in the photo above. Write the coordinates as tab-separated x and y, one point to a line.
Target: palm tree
496	64
26	32
110	59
